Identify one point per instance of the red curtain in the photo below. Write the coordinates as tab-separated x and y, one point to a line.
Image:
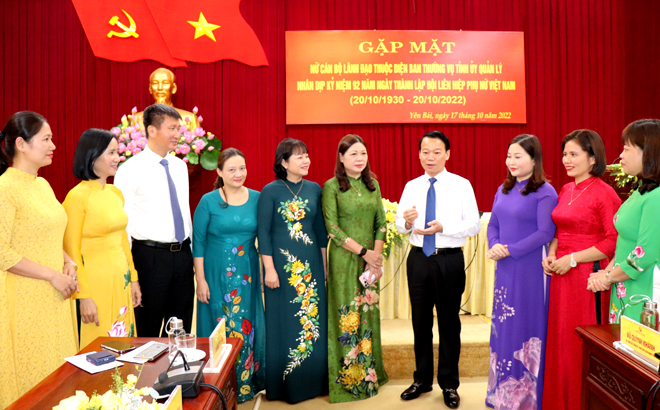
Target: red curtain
589	64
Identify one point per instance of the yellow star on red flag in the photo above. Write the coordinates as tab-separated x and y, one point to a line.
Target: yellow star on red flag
203	27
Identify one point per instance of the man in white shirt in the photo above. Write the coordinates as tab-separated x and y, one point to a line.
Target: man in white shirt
440	209
155	188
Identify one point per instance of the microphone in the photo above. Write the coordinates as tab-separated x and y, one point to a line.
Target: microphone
186	367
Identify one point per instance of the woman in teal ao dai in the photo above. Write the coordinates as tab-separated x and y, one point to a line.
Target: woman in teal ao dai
227	269
633	274
355	219
292	242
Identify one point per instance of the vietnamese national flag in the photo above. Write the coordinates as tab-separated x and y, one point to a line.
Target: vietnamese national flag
205	31
109	29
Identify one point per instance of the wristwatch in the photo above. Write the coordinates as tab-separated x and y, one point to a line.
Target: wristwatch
363	251
573	262
75	266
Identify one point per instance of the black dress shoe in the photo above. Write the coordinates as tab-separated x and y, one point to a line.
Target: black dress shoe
415	390
452	399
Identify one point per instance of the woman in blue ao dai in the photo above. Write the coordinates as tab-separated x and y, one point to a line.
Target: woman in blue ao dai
227	269
519	229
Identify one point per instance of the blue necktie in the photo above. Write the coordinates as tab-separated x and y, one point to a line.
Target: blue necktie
179	231
429	240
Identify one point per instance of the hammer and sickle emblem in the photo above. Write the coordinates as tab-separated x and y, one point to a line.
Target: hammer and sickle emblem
128	31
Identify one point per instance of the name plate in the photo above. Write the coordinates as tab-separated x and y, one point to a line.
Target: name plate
175	402
640	338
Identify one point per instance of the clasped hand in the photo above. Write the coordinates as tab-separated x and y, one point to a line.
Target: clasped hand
595	282
552	264
66	282
498	251
374	262
411	215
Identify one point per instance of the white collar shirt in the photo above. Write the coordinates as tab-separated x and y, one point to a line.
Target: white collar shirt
143	182
455	208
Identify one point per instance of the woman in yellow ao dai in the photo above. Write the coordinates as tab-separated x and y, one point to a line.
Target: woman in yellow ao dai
96	239
36	320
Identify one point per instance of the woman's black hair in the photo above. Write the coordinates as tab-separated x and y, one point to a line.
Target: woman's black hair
23	124
340	172
286	148
222	158
532	146
91	145
646	135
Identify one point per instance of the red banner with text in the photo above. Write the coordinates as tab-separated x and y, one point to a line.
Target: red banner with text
405	77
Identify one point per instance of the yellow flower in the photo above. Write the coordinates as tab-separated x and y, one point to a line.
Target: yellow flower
294	279
79	401
145	391
365	346
314	311
300	288
110	401
301	214
293	207
352	375
297	267
289	216
131	380
302	347
303	320
390	218
297	226
349	322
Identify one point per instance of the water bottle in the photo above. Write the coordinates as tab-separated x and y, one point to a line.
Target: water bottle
173	328
650	315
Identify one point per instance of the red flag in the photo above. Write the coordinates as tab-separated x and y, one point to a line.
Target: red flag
205	31
124	30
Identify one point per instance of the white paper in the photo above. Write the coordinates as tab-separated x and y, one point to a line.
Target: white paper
81	362
135	356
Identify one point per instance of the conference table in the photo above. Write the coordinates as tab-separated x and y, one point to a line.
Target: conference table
612	379
64	381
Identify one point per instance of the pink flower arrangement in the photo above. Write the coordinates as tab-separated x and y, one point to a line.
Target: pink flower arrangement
205	151
198	145
189	136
